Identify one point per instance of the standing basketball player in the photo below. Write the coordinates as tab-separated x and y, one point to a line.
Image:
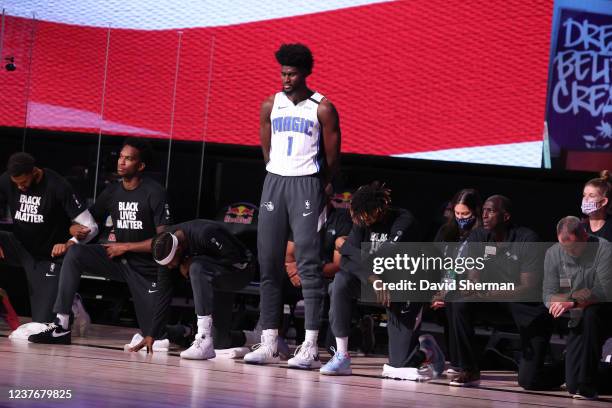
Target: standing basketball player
300	140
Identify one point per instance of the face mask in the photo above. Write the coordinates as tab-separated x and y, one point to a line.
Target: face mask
465	223
589	207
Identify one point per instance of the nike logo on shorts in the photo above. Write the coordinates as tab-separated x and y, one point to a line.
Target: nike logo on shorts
153	291
48	274
306	214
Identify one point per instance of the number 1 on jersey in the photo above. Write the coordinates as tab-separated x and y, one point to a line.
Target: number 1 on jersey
289	145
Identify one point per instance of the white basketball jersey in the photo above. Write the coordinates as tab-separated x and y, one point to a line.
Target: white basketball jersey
295	148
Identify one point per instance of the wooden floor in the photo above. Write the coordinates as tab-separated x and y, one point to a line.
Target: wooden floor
99	373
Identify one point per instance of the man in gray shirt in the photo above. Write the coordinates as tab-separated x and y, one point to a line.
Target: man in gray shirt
578	279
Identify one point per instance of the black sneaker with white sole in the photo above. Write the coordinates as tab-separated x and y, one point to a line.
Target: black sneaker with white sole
53	334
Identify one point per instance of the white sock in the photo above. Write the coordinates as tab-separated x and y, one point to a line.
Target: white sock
204	326
273	335
270	332
64	320
311	336
342	345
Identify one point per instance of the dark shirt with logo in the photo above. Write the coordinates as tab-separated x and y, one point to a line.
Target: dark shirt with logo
136	214
211	238
505	261
41	215
399	225
338	224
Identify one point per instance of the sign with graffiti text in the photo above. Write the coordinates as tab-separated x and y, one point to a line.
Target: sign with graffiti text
579	111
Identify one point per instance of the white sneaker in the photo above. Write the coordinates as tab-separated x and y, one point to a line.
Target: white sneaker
158	345
82	321
407	373
238	352
306	356
201	349
264	352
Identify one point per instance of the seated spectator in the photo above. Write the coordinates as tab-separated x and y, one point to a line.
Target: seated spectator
578	279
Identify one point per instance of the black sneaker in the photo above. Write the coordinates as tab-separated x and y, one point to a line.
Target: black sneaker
53	334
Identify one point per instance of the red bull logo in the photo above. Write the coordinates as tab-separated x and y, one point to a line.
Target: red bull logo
342	200
239	214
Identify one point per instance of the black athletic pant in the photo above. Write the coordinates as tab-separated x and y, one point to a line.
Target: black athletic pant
535	328
42	275
212	286
93	260
403	326
583	350
292	203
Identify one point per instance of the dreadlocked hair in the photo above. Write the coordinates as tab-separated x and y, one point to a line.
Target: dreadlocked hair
370	199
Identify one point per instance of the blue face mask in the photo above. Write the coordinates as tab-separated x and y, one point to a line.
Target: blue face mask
465	223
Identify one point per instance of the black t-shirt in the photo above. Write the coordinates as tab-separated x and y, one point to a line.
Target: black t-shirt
338	224
604	232
505	261
41	215
211	238
398	226
136	214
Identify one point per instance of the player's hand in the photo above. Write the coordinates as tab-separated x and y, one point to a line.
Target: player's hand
147	341
339	242
79	231
582	295
383	296
437	304
59	250
292	272
1	253
115	250
556	309
184	267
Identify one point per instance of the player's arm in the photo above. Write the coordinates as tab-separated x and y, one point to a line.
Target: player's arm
291	265
84	227
265	132
331	268
161	217
330	126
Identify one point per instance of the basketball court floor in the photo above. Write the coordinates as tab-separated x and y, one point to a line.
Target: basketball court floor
99	373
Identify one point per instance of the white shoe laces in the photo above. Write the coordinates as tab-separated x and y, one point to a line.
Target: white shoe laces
266	347
51	327
197	342
304	351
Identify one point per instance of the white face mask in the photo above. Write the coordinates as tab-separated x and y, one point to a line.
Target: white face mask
589	207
